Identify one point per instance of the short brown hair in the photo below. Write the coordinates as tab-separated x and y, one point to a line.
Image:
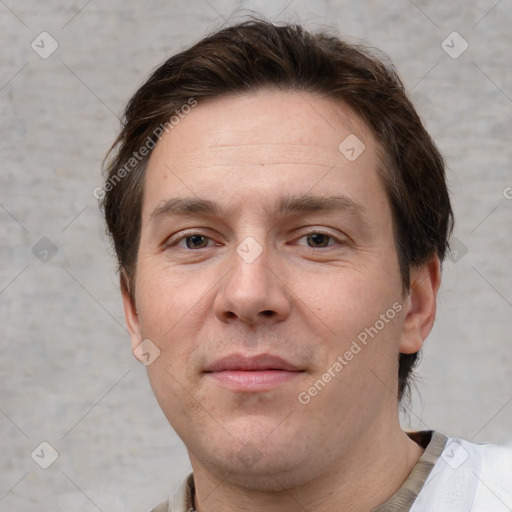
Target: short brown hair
258	54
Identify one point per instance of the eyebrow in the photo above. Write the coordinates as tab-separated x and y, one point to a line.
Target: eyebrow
286	205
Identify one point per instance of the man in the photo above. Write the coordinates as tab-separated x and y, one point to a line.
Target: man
280	214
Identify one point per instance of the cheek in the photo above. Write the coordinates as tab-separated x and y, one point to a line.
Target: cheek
353	313
170	316
174	395
343	301
167	298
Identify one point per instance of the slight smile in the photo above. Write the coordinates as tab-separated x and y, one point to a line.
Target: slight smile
252	373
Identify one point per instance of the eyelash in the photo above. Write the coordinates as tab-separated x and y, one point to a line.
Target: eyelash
192	234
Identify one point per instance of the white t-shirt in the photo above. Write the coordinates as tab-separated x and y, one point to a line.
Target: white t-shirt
468	477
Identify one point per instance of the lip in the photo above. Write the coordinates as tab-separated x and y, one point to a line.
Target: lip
254	373
239	362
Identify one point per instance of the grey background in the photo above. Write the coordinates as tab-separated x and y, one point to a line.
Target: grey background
67	375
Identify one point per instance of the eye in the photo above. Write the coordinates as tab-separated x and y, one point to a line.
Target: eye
192	241
318	239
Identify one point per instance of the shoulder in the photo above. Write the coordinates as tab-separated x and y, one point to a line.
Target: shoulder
181	501
494	490
163	507
468	476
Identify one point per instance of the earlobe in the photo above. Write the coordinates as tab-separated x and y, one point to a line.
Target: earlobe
130	312
420	305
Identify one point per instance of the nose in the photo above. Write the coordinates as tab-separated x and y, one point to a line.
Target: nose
254	290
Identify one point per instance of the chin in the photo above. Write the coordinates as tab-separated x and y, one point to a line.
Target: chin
262	464
269	477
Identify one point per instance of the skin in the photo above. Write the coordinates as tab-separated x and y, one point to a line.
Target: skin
304	298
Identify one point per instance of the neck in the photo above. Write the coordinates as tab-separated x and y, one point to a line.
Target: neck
364	477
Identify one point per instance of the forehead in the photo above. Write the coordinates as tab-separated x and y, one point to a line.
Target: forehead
266	117
270	139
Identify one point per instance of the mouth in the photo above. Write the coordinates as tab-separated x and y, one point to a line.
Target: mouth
255	373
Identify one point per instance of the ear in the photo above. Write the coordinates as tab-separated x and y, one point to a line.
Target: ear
130	312
420	305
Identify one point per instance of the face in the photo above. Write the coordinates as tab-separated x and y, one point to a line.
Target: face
266	257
